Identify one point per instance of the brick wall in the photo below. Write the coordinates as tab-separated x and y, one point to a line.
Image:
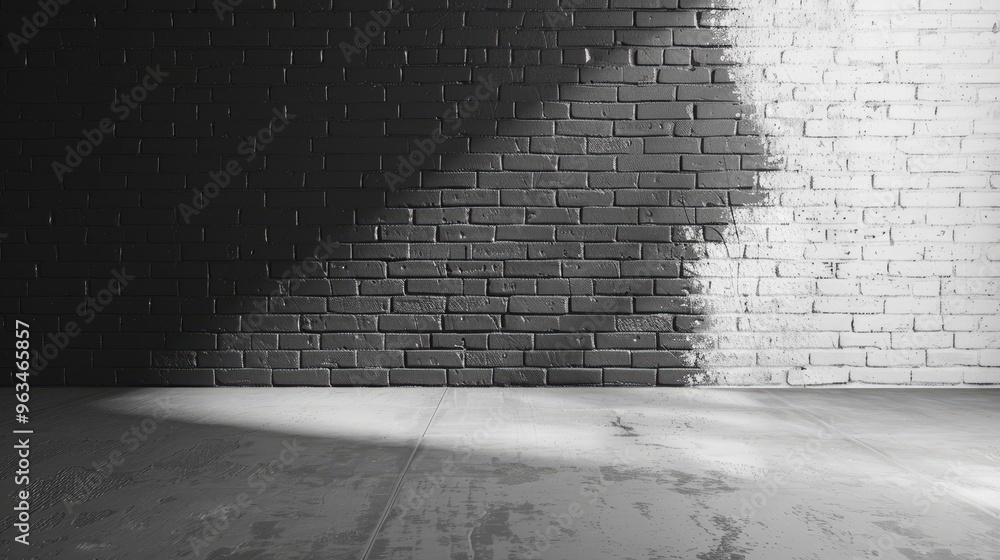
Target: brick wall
499	192
875	258
472	192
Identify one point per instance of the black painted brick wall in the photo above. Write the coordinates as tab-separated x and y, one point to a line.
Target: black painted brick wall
540	239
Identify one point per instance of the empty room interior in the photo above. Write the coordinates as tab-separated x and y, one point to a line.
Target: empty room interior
500	279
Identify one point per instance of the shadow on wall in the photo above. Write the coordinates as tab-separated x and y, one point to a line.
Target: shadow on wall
465	196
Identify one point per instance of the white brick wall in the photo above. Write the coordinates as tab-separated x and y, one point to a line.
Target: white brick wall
877	256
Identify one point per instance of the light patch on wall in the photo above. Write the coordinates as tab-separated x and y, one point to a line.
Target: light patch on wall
876	257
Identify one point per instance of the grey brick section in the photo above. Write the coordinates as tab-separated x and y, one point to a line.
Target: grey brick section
538	232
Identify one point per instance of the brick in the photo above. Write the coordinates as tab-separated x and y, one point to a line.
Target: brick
674	377
434	358
881	375
819	376
519	376
470	377
575	376
613	207
302	377
423	377
362	377
244	377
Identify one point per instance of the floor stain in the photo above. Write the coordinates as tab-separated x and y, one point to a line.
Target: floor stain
629	430
643	508
267	530
726	548
491	526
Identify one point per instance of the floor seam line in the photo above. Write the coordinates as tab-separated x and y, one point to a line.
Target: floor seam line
399	481
927	479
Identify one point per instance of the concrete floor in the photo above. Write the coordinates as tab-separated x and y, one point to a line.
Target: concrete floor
573	473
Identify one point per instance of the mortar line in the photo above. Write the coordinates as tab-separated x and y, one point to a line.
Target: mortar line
930	480
399	480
